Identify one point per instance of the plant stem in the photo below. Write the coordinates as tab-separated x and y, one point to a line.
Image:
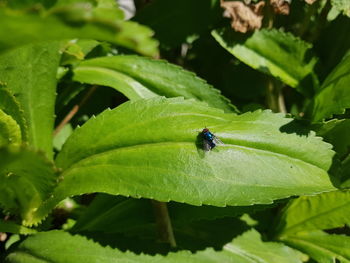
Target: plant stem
275	98
165	229
281	103
74	110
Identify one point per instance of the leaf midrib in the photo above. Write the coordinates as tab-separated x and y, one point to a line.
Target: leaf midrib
112	73
236	250
188	143
147	122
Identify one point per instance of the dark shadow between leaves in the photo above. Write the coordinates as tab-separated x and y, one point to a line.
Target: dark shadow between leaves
307	86
190	233
128	243
335	172
297	126
233	38
195	236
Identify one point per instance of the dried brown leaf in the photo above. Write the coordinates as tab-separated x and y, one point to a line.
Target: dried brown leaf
244	17
280	6
310	2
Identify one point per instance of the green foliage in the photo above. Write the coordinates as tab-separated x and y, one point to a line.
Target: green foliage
154	140
157	129
333	97
62	136
139	77
342	6
11	227
324	211
10	106
275	53
322	247
302	220
30	74
336	132
10	132
26	180
60	248
345	172
133	173
70	21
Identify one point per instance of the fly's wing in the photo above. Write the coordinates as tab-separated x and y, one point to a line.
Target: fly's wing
206	146
217	141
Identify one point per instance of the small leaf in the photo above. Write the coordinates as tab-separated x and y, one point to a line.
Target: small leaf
337	133
153	149
10	105
76	50
342	6
26	179
10	132
139	77
79	20
323	211
62	136
322	247
273	52
61	247
30	74
11	227
334	95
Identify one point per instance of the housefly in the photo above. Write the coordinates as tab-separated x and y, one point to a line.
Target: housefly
209	140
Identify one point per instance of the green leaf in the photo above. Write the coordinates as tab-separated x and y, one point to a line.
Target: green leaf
334	95
139	77
123	213
273	52
342	6
149	148
10	105
250	248
80	20
345	172
61	247
20	4
324	211
11	227
337	133
108	9
26	179
192	19
30	74
62	136
322	247
102	8
76	50
10	132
